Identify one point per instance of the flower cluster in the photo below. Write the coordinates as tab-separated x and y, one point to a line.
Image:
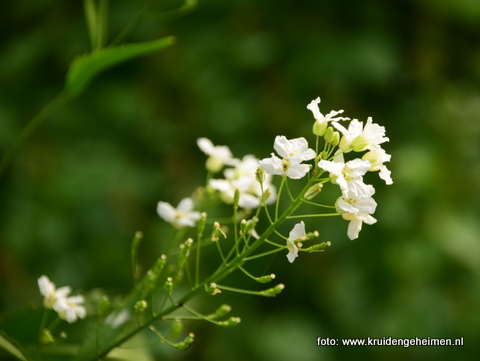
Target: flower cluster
356	203
68	308
247	181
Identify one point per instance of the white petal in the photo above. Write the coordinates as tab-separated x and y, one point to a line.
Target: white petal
293	251
46	286
63	291
298	232
334	168
205	145
313	107
385	175
166	211
272	165
185	205
297	171
354	228
282	146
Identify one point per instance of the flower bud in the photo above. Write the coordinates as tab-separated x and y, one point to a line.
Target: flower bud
159	265
212	289
141	306
317	247
214	164
272	292
184	253
265	279
186	342
177	328
46	337
168	286
260	175
236	198
329	135
313	191
232	321
220	312
335	139
319	128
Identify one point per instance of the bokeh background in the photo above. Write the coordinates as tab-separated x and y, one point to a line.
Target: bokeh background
241	73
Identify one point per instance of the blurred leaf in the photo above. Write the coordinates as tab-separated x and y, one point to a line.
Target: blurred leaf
7	345
85	68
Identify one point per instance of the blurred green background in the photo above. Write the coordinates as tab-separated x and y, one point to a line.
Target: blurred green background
241	73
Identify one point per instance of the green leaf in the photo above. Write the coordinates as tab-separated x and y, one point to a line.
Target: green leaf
85	68
12	349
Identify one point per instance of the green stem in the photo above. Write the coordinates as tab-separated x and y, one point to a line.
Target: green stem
46	112
314	215
279	194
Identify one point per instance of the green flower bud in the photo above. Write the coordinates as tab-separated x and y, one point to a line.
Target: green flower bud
186	342
236	198
317	247
313	191
260	175
141	306
272	292
214	164
319	128
184	253
46	337
232	321
220	312
176	330
159	265
329	135
212	289
336	139
168	286
265	279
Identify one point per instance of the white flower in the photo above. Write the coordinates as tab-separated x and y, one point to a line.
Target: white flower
355	205
377	156
296	235
357	211
321	121
294	152
218	155
50	293
181	216
349	176
359	138
68	308
243	178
